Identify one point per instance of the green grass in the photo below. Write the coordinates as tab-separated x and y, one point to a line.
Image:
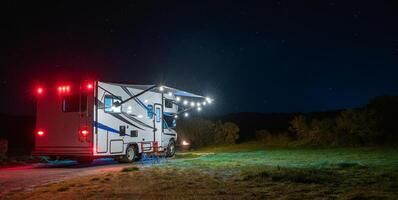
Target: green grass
256	154
367	172
245	171
292	175
187	155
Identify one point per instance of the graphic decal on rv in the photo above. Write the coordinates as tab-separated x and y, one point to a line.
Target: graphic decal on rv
129	116
106	128
135	99
132	117
124	120
106	91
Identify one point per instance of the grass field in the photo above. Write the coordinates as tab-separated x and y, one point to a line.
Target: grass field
245	171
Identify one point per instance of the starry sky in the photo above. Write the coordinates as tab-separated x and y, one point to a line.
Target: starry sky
255	56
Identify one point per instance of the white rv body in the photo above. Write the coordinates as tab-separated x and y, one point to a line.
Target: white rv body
142	117
90	119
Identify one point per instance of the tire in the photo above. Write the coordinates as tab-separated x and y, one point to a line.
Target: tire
131	154
171	148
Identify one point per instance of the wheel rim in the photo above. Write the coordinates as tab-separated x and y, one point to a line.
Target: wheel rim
130	154
171	148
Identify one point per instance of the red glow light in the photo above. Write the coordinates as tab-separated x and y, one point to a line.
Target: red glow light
84	132
40	90
88	85
63	89
40	132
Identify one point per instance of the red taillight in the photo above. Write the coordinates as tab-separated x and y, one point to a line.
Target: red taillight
40	132
84	132
40	90
63	89
89	86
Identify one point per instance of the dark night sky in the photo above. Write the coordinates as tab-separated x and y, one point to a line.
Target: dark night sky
264	56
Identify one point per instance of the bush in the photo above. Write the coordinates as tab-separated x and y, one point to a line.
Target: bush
267	137
299	126
353	127
385	110
357	127
201	132
226	133
322	132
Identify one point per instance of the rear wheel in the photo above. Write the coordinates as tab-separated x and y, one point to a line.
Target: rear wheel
130	156
171	148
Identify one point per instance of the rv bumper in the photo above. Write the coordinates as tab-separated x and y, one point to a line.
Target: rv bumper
62	151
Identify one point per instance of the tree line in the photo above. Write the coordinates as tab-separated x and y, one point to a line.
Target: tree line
374	124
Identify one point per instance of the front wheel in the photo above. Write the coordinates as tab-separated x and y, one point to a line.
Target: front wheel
130	155
171	148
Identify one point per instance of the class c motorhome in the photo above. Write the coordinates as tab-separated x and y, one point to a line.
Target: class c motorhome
92	119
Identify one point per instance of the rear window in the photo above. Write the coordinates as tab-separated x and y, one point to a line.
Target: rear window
74	103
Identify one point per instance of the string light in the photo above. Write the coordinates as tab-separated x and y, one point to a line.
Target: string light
170	94
161	88
199	108
178	99
185	102
192	104
186	114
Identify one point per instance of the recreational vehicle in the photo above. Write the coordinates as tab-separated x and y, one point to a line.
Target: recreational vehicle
91	119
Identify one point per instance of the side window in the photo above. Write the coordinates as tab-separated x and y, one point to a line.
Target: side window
168	103
170	122
109	102
150	111
157	114
133	133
